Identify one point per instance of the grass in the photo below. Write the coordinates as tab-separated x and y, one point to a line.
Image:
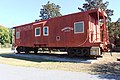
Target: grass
106	65
5	48
43	63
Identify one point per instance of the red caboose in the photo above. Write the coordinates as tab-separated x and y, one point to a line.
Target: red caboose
83	33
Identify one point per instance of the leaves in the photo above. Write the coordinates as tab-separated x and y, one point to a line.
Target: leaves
5	36
114	28
50	10
114	32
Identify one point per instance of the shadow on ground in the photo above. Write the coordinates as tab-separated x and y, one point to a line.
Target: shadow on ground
109	70
47	58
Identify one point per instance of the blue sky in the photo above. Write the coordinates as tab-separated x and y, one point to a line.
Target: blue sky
17	12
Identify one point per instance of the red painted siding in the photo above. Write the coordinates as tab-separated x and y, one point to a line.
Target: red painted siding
61	32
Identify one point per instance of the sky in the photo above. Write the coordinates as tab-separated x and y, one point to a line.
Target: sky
18	12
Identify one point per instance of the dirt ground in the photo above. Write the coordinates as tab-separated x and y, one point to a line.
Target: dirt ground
106	65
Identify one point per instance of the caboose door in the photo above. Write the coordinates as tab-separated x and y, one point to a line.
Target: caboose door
38	34
94	30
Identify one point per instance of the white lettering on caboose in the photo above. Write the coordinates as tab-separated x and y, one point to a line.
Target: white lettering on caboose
24	28
67	29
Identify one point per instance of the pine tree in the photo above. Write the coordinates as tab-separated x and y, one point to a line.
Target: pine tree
95	4
50	10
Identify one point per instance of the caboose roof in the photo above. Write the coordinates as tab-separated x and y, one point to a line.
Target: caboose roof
44	21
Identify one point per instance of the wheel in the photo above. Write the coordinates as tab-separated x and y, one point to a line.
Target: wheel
85	51
26	50
78	52
19	49
35	50
81	52
71	52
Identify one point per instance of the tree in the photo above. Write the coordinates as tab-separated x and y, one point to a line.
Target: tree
95	4
114	32
49	10
5	35
10	35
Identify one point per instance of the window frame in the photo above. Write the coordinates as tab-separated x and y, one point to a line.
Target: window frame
75	26
36	30
44	31
18	35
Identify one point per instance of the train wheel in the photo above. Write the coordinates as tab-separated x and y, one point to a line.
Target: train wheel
78	52
19	49
71	52
35	50
85	51
26	50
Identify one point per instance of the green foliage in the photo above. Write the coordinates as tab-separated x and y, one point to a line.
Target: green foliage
95	4
10	35
114	31
5	35
49	10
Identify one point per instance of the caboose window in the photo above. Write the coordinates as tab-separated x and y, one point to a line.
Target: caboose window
45	31
37	31
79	27
17	35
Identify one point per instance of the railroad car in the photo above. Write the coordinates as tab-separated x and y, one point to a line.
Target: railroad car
81	34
